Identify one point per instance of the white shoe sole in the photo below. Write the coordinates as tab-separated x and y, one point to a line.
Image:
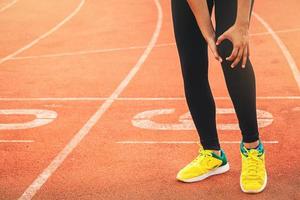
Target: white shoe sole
219	170
254	191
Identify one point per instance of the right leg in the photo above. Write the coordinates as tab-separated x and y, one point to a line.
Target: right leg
192	49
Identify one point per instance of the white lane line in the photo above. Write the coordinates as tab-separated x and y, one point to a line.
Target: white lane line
185	142
90	52
183	98
16	141
296	109
284	49
278	31
56	99
55	28
134	98
79	136
80	53
7	6
288	30
97	51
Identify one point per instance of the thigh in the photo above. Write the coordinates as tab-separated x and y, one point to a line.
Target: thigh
185	23
190	42
225	14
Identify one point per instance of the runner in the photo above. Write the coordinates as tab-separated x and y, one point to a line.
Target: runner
229	44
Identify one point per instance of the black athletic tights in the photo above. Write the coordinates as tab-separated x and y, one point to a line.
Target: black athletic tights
192	49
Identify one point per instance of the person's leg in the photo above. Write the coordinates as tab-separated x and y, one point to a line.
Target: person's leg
241	86
192	49
240	82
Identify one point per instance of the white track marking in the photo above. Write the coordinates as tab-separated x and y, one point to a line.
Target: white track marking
90	52
296	109
144	120
55	28
185	142
7	6
183	98
16	141
134	98
80	53
279	31
77	53
56	99
42	117
79	136
283	48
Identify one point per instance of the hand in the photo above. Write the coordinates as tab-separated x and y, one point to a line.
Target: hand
239	36
213	47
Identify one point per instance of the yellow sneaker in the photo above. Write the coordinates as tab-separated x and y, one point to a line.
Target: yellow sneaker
253	177
206	164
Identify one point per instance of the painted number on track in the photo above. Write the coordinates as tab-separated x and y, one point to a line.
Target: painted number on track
144	120
43	117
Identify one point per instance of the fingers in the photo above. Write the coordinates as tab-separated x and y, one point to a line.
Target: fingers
245	56
233	55
213	48
237	58
221	38
239	38
239	53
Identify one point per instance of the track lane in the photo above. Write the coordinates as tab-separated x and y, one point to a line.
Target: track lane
106	177
148	171
31	191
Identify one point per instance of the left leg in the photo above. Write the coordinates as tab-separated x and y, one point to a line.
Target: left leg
241	86
240	82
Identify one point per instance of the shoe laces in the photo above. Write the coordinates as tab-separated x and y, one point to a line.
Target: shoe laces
203	154
254	164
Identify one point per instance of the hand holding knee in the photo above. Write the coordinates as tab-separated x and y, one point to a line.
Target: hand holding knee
239	36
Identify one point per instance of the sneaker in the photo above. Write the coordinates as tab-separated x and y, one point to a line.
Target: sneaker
253	177
206	164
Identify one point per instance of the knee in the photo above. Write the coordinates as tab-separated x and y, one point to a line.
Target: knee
225	49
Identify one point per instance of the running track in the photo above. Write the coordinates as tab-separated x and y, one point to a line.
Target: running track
92	106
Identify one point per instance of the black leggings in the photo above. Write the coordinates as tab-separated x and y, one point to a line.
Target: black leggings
192	49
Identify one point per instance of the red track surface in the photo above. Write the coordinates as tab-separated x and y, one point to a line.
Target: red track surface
99	167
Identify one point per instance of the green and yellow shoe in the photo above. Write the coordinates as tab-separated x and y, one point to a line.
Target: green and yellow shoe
253	177
206	164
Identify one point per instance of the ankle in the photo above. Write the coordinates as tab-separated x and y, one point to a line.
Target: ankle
251	145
